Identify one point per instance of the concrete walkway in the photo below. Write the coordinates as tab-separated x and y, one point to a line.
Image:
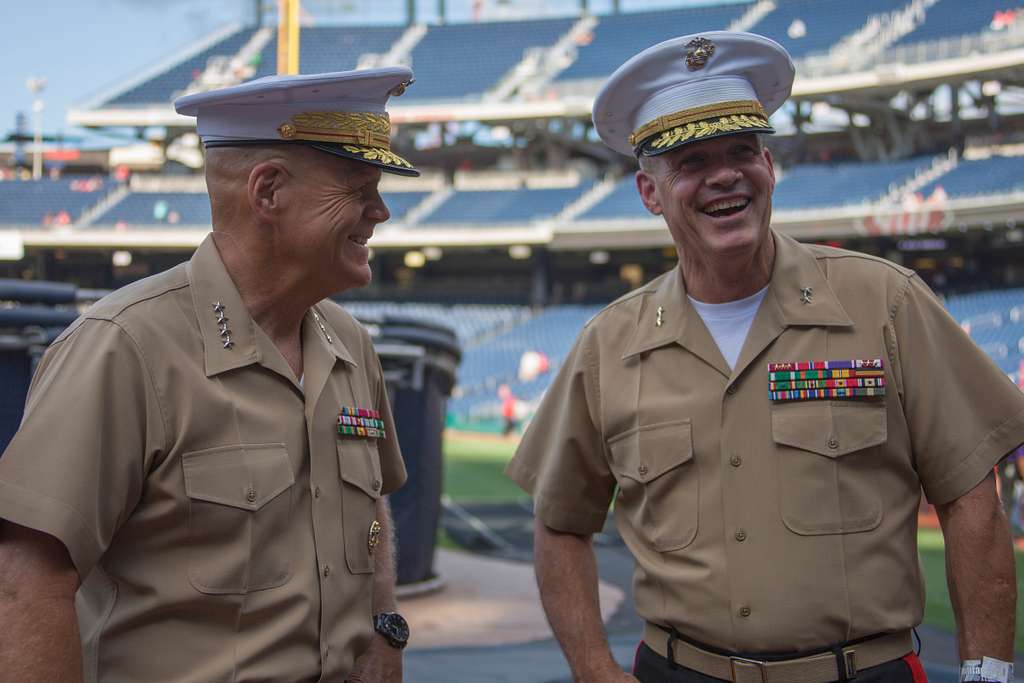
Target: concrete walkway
486	624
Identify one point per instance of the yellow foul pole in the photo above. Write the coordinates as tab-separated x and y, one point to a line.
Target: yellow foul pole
293	36
288	36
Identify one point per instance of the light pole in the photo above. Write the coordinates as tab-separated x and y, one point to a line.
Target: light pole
36	87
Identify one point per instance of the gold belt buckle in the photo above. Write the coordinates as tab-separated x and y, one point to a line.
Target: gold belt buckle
762	667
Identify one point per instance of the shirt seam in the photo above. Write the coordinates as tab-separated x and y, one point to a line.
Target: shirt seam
151	381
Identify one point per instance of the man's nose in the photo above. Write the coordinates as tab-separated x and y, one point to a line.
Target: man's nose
724	175
377	210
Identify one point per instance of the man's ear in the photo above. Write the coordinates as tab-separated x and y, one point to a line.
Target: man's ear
264	189
647	188
771	163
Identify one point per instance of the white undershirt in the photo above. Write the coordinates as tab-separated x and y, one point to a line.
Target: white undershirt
729	323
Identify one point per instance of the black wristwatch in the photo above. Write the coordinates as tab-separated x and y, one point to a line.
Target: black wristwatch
392	626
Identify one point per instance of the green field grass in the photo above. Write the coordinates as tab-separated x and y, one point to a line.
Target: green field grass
937	609
474	470
474	473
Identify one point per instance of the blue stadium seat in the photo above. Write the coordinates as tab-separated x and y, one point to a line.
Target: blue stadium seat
504	206
399	203
332	48
621	202
824	22
951	18
618	37
162	88
821	185
470	321
163	209
995	321
994	175
459	61
28	202
486	366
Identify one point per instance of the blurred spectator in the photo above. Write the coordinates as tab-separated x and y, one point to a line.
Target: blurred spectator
508	408
63	218
160	209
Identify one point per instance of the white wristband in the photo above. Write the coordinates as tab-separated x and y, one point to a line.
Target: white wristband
987	670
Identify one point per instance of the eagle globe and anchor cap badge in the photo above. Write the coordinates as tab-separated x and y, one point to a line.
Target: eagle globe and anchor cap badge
698	52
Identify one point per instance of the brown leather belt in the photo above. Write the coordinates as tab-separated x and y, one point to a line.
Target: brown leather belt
817	668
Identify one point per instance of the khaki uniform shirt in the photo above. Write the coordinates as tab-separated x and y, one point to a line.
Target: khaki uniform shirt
760	526
217	519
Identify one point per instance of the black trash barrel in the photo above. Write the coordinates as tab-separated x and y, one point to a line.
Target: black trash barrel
29	321
419	361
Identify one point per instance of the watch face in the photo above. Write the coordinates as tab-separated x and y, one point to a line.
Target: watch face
398	627
393	626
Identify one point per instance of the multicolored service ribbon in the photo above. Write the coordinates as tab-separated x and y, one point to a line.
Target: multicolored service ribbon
826	379
360	422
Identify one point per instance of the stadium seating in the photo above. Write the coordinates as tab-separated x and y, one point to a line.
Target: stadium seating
484	367
806	27
151	209
399	203
503	206
995	321
951	18
460	61
29	202
163	87
470	322
622	202
980	177
819	185
332	48
618	37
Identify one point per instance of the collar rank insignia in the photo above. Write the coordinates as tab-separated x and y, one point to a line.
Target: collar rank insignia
826	379
362	423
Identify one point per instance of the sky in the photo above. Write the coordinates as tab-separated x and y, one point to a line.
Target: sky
83	48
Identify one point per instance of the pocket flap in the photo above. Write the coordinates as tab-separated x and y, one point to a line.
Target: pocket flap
647	452
831	431
359	464
246	476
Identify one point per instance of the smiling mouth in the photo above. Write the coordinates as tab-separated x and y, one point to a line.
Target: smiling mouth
726	207
361	240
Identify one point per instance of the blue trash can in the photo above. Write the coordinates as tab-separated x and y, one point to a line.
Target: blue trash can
33	315
419	361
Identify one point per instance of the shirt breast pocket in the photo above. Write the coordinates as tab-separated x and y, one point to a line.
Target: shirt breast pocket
659	489
359	466
239	509
828	456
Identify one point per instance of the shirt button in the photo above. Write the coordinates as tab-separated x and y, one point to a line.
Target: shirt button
316	492
250	494
735	461
642	470
741	535
744	611
327	570
731	390
376	484
833	442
